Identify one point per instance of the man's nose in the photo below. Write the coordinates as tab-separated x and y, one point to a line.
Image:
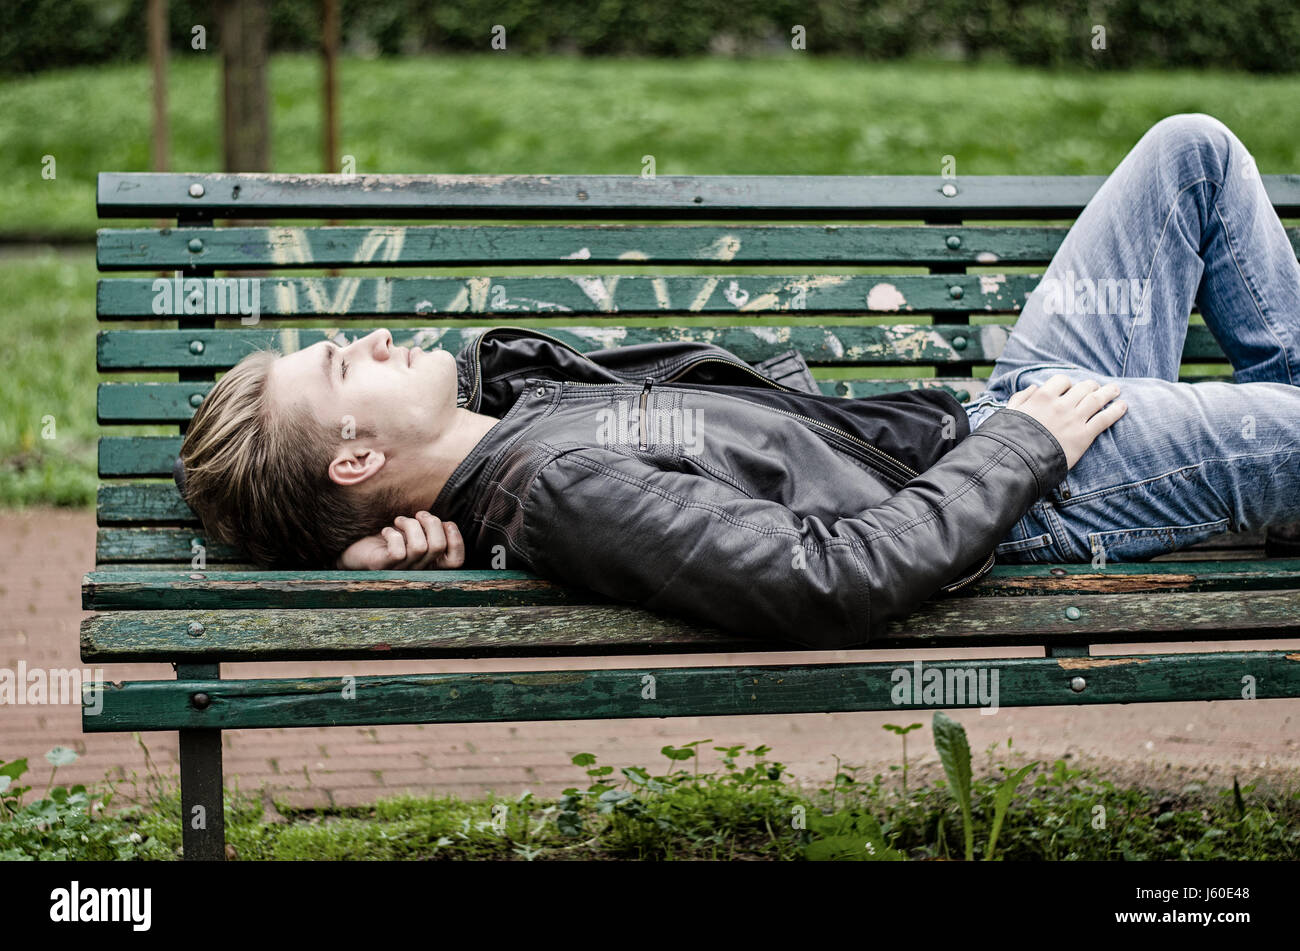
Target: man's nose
377	343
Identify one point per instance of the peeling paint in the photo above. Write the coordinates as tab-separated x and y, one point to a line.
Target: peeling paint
986	257
605	336
548	679
885	297
1089	663
989	283
582	254
833	344
773	335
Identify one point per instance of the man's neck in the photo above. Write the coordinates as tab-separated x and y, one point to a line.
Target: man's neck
445	455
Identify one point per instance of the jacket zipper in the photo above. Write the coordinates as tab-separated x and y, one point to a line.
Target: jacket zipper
645	393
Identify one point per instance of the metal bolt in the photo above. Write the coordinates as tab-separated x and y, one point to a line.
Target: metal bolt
201	701
1059	571
197	577
954	241
196	541
1077	684
196	627
541	391
949	190
196	245
196	399
196	190
963	396
1073	613
196	346
959	342
955	292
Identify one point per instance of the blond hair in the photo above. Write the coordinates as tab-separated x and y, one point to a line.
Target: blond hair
258	477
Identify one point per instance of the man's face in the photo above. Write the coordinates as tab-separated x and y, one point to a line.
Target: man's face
407	397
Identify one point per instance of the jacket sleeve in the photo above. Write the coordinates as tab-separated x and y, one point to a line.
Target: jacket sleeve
684	544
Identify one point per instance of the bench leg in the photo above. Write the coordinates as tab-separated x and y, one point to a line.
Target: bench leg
203	817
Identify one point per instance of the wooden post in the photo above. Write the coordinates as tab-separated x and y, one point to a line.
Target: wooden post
246	121
330	120
158	62
330	55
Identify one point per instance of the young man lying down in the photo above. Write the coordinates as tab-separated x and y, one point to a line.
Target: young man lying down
680	478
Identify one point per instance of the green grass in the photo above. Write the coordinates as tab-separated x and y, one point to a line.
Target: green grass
502	113
749	808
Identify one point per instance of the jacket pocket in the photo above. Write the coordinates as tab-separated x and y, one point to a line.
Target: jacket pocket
789	369
1139	544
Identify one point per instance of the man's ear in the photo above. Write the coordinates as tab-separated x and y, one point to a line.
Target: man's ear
353	466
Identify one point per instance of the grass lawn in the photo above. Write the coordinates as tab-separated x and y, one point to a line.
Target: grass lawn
500	113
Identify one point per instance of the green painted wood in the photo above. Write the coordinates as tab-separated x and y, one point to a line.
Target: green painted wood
150	195
476	630
170	589
512	696
167	588
828	344
127	545
123	456
445	245
628	245
144	502
249	299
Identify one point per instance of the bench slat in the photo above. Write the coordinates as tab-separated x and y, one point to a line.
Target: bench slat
134	590
680	691
498	245
570	245
828	344
128	545
327	633
561	295
151	194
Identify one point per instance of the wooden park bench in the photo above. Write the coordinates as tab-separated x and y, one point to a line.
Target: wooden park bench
710	266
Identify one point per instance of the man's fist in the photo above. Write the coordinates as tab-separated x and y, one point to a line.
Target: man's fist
412	543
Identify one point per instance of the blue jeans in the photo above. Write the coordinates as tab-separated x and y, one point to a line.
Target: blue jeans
1183	220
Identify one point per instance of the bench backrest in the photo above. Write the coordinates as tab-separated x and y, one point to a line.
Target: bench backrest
924	296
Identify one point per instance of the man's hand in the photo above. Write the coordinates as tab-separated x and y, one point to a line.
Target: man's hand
414	543
1072	412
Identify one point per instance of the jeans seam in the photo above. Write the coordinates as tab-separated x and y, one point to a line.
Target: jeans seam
1057	530
1254	296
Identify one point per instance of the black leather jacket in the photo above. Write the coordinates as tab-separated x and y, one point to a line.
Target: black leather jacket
680	478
